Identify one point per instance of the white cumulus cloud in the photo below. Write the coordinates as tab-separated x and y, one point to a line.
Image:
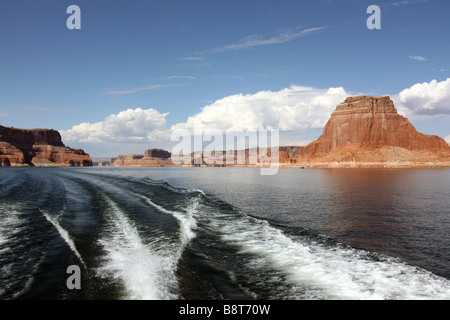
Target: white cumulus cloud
428	98
289	110
132	125
293	108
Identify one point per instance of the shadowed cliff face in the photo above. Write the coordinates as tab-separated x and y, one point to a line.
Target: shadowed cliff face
25	137
369	129
157	153
38	147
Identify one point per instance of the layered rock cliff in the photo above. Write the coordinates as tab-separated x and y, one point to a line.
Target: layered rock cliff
367	129
151	158
38	147
247	157
283	155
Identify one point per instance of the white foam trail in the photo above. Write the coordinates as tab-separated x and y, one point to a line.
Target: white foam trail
64	234
146	270
9	226
146	274
314	271
186	220
167	185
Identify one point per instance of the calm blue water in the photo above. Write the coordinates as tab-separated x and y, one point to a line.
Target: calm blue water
225	233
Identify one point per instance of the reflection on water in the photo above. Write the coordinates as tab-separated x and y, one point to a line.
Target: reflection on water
398	212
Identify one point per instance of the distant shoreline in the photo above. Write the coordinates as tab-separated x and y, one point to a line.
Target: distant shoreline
345	165
283	166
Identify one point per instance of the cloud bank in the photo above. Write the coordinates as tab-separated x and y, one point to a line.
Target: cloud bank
293	108
132	125
425	99
290	110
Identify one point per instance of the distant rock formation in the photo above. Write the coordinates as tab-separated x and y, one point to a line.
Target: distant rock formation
38	147
248	157
151	158
289	155
367	129
101	162
284	155
157	153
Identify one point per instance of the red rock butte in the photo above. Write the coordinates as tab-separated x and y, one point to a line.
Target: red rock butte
38	147
151	158
369	130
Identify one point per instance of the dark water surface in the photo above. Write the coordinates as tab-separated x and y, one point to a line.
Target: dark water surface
225	233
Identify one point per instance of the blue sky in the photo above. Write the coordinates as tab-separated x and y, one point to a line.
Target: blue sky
177	57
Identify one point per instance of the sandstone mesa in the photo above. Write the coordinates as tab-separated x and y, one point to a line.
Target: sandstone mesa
38	147
151	158
368	131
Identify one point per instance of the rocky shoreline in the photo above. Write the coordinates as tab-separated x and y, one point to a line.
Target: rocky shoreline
362	132
38	148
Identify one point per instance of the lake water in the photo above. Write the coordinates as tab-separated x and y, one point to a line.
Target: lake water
225	233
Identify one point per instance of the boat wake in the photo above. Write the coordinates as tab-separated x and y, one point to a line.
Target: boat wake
145	239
